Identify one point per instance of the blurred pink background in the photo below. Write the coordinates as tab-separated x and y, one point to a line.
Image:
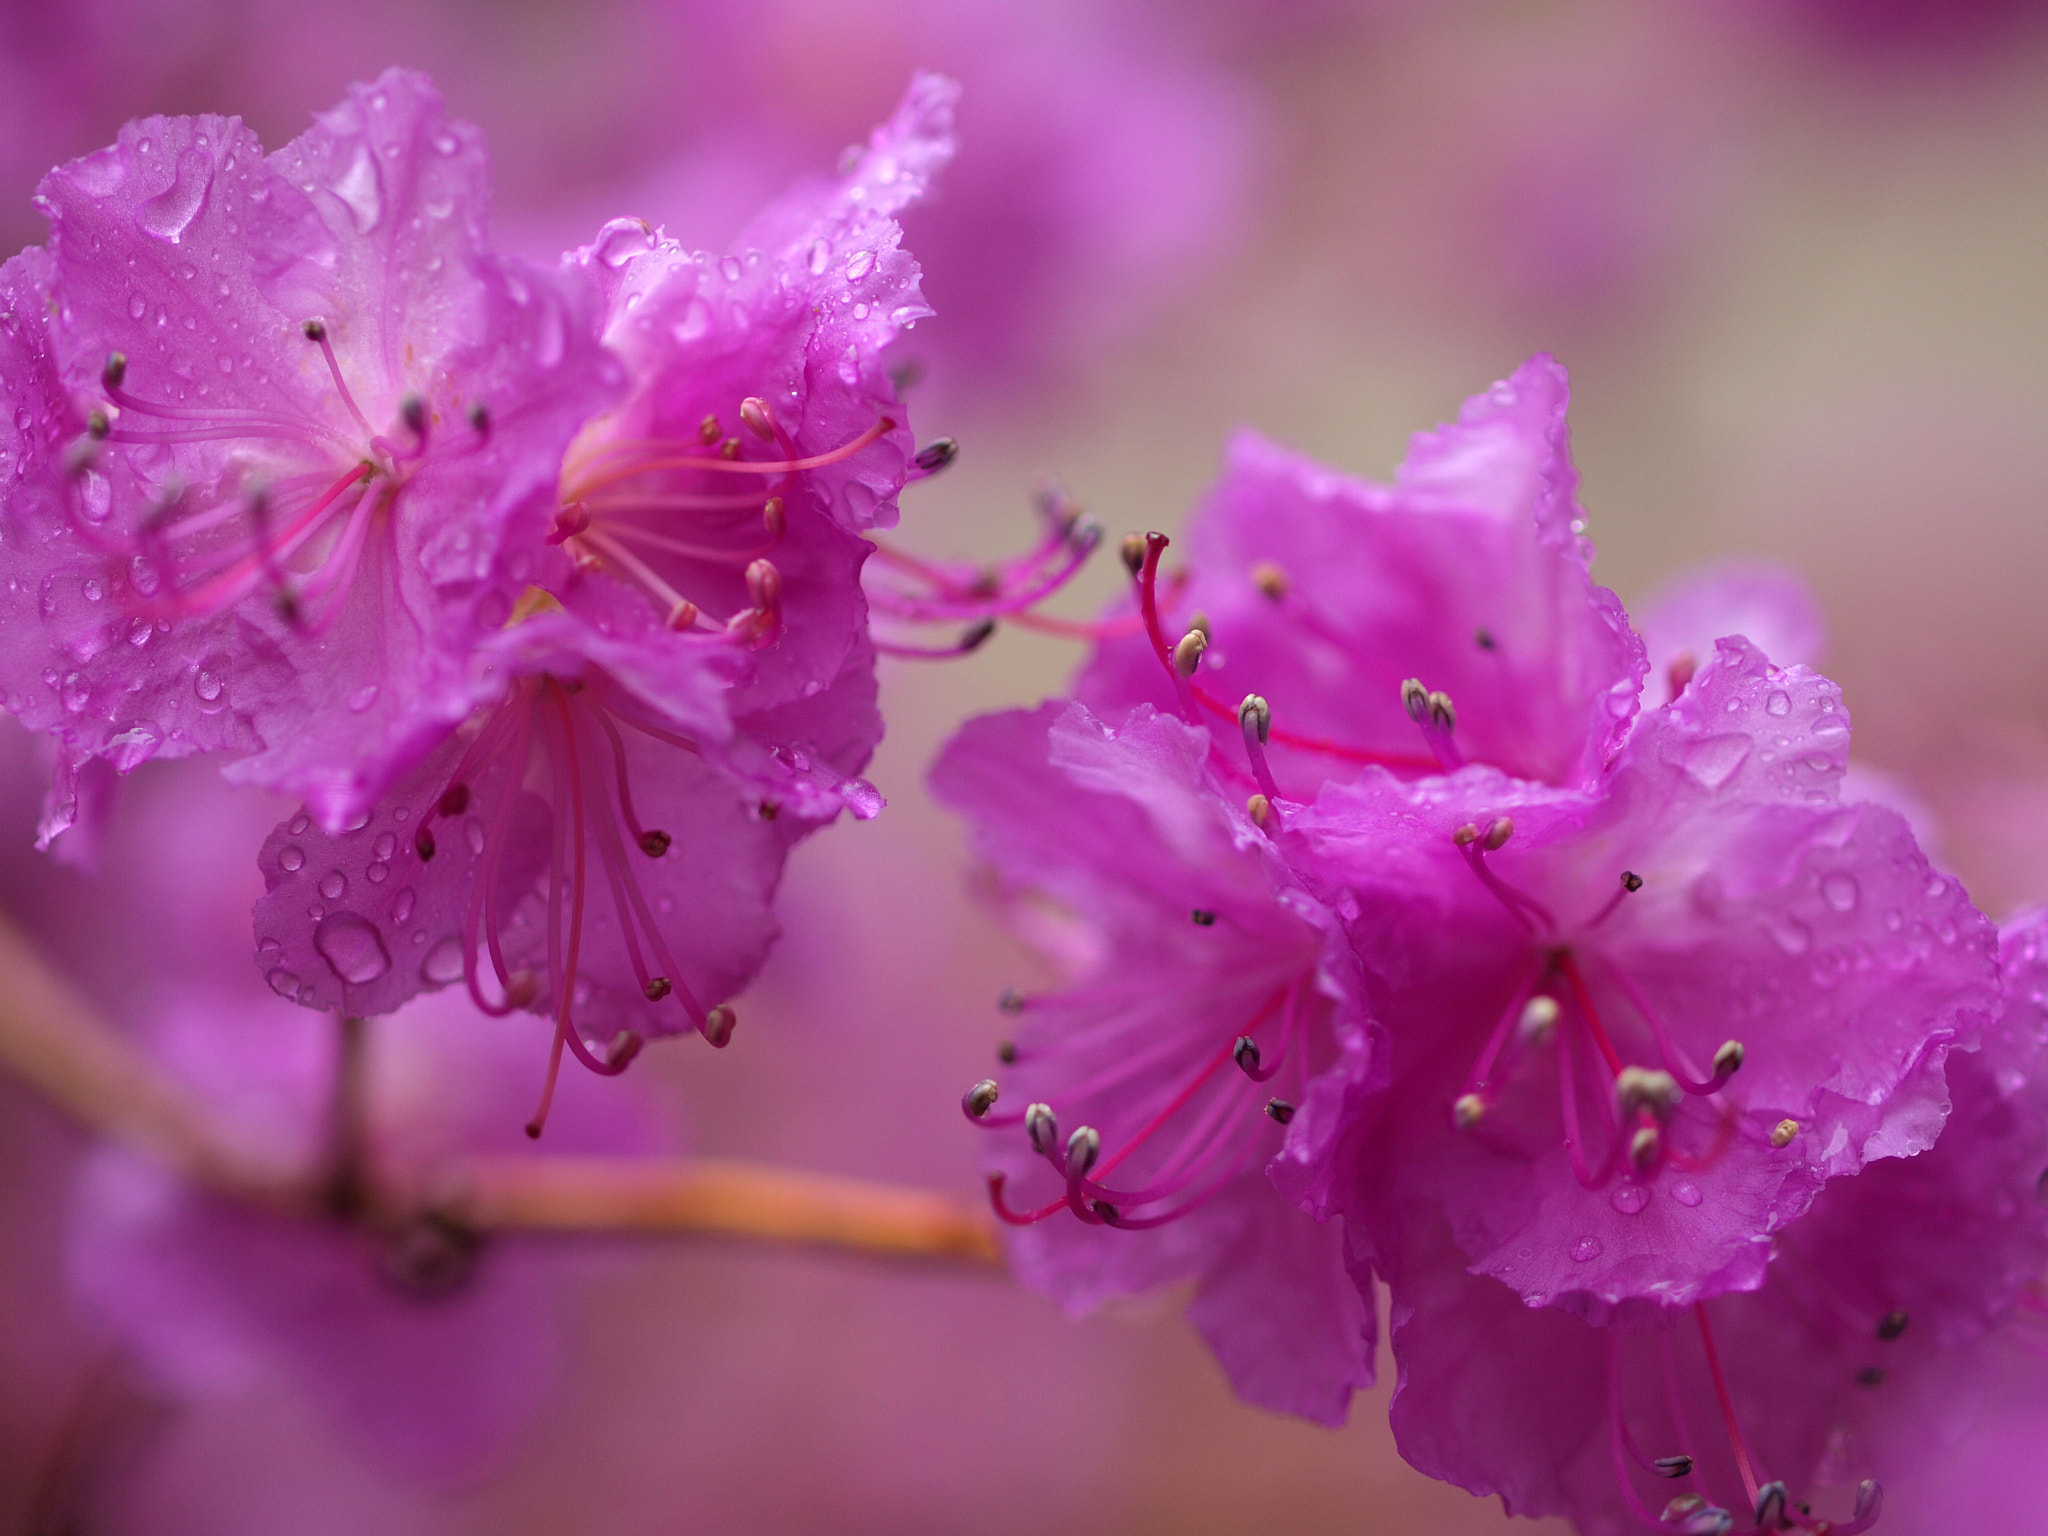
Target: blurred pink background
1793	254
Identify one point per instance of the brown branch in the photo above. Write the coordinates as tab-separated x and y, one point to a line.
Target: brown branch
53	1039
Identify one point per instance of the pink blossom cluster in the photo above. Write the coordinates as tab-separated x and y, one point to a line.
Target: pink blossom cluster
1431	937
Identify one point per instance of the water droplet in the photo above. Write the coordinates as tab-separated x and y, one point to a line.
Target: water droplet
1685	1192
362	698
821	257
1629	1198
138	306
858	265
171	212
446	142
77	693
92	588
1936	886
729	269
1779	703
1587	1249
621	240
352	948
401	905
1841	891
384	847
290	858
473	834
1714	759
333	884
283	983
377	874
357	187
443	963
1793	936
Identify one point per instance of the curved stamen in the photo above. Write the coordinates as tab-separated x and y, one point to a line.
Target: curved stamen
1743	1465
689	461
1018	1218
316	332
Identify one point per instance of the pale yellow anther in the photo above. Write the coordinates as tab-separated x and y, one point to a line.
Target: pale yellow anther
709	431
683	615
1187	655
757	419
1538	1024
1415	699
1466	835
1647	1088
1783	1132
1644	1145
1260	809
1442	711
1270	580
1467	1111
1728	1058
1498	831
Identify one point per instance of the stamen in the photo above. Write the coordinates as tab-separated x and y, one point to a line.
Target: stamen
1891	1325
1438	718
316	332
1270	580
1720	1380
1280	1110
936	455
1043	1127
1631	882
1255	724
1187	652
756	417
981	1098
1783	1132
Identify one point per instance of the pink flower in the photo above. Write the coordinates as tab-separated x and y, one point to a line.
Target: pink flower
689	688
1207	1008
1324	594
1867	1346
1633	1029
279	422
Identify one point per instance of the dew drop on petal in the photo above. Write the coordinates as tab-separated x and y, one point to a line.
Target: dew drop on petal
443	963
821	257
298	827
171	212
352	948
289	859
283	983
385	846
362	698
401	905
1685	1192
1587	1249
1629	1198
1779	703
1841	890
333	885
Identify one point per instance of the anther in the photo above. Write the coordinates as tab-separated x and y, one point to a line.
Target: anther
654	842
1672	1466
1246	1054
1260	809
115	371
768	810
1467	1111
709	431
480	419
1466	835
1728	1058
1083	1147
1498	831
523	989
1870	1376
1043	1127
936	455
682	615
1647	1088
729	449
1783	1132
657	988
1681	1506
1483	638
774	517
1006	1052
718	1026
1631	881
764	584
423	844
981	1098
1770	1505
412	410
1187	653
97	424
975	636
1891	1325
454	800
1132	552
1270	580
1256	713
1279	1110
1442	711
1644	1146
1538	1024
1202	917
1691	1515
1415	699
625	1045
757	418
1012	1001
315	330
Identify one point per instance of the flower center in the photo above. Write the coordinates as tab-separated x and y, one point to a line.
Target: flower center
289	504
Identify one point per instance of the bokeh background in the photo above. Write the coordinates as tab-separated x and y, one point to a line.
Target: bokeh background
1793	252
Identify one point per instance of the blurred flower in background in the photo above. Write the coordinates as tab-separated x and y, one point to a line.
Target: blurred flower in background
1791	253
